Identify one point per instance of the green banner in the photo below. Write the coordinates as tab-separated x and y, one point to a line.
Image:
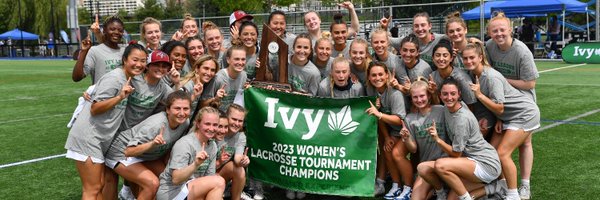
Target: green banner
314	145
588	52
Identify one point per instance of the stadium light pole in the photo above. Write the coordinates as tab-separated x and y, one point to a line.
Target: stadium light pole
598	20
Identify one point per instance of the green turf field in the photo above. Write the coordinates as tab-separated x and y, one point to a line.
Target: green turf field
38	98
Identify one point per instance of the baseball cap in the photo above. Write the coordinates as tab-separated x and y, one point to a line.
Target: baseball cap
158	56
238	15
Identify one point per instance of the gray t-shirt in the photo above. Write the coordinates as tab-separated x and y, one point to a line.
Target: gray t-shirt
251	66
233	86
102	59
361	75
422	69
328	89
92	135
305	78
426	50
183	154
145	132
143	100
517	106
418	124
345	52
394	64
235	143
392	103
463	80
463	130
515	63
325	70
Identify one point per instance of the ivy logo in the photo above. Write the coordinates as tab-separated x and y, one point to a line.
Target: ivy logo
342	121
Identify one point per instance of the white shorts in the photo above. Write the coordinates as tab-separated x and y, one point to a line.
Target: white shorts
128	161
183	193
483	175
80	157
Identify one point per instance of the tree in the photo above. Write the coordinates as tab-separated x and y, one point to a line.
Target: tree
173	10
151	8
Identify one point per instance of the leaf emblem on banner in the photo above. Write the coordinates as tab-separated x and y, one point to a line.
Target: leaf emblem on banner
342	121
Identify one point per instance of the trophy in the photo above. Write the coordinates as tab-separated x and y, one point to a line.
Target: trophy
272	45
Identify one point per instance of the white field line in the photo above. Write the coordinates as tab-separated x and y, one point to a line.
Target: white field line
18	98
565	67
555	124
31	161
33	118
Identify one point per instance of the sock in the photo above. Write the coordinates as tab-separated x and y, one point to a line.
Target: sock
125	187
379	181
512	192
525	182
465	196
394	187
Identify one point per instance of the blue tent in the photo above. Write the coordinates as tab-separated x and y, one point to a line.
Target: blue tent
529	8
15	34
519	8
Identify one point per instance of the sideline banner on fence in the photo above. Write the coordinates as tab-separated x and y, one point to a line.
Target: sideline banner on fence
315	145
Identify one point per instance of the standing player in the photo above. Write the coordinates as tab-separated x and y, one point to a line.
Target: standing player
90	136
517	113
231	80
303	74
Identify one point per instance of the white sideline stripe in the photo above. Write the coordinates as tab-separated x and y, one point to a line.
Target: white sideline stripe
32	161
566	67
555	124
32	118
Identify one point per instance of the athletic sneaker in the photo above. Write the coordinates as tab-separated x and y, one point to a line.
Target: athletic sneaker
524	192
405	195
512	198
379	189
245	196
290	194
393	193
126	194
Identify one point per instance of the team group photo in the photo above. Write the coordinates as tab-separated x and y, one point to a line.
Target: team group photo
299	99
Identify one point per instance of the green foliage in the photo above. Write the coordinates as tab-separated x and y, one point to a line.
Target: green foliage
36	16
83	15
151	8
173	10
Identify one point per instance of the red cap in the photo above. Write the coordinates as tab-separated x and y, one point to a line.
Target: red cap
238	15
158	56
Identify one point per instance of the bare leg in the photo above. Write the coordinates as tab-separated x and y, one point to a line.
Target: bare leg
421	189
142	177
454	170
207	187
427	173
403	165
526	158
510	141
237	175
111	183
92	179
